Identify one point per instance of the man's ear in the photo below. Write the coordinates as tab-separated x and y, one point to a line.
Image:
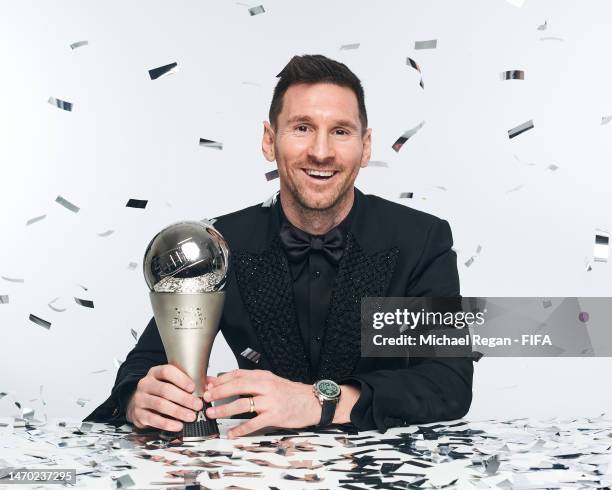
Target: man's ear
267	142
367	148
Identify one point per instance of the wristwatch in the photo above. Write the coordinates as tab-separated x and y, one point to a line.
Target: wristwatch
328	393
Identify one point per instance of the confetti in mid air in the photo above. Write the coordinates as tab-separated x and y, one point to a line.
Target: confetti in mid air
470	261
543	27
602	246
137	203
547	303
256	10
377	163
163	71
551	38
413	64
13	279
60	104
251	355
211	144
134	334
271	175
132	265
406	195
106	233
55	308
583	316
350	46
4	299
40	321
270	201
552	167
84	302
31	221
513	75
67	204
605	119
79	44
517	188
397	146
82	401
521	128
430	44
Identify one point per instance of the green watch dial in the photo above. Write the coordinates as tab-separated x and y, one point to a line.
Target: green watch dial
328	388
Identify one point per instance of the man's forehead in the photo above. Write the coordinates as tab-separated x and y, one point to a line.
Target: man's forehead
330	101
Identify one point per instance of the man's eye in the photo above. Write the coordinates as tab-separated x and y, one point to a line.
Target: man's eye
301	128
342	132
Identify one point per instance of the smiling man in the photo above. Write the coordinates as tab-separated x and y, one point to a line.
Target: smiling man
300	266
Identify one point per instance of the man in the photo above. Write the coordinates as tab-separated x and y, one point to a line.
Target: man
299	267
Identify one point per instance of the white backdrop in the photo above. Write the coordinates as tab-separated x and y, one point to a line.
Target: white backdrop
130	137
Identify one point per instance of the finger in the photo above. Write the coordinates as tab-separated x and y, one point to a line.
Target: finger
211	380
152	419
171	373
243	405
225	377
174	394
235	387
245	428
167	408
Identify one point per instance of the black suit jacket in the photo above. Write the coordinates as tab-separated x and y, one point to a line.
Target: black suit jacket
392	250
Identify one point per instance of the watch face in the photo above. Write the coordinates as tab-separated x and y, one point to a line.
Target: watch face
328	388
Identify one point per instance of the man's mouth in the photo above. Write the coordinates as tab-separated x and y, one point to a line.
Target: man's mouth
320	174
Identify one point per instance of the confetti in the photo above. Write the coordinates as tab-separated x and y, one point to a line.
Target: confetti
270	201
256	10
602	246
31	221
251	355
551	38
12	279
552	167
547	303
84	302
83	287
82	401
67	204
350	46
605	119
124	481
40	321
513	75
430	44
514	189
521	128
377	163
4	299
406	195
60	104
132	265
397	146
79	44
134	334
106	233
211	144
271	175
413	64
162	71
55	308
583	316
137	203
543	27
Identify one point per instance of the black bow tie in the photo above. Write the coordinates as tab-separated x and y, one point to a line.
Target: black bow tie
298	243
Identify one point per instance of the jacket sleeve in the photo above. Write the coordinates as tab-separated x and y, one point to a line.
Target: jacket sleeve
148	352
428	389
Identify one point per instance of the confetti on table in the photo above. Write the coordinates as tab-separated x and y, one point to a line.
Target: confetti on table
84	302
31	221
40	321
271	175
430	44
602	246
251	355
350	46
13	279
106	233
137	203
513	75
543	27
67	204
211	144
406	195
163	71
60	104
521	128
256	10
79	44
397	146
413	64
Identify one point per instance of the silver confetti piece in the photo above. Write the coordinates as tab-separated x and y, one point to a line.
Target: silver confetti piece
547	303
512	75
67	204
406	195
350	46
134	334
54	308
605	119
12	279
441	187
601	249
271	175
251	355
270	201
4	299
256	10
543	27
124	481
469	261
430	44
514	189
163	71
84	302
137	203
31	221
98	371
83	287
397	146
60	104
106	233
521	128
40	321
377	163
211	144
82	401
79	44
479	249
132	265
413	64
551	38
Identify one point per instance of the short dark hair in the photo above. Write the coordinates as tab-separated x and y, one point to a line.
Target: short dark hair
311	69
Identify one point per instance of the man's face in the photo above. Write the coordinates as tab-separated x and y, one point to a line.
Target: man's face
318	144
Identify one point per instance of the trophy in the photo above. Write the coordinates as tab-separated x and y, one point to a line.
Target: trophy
185	267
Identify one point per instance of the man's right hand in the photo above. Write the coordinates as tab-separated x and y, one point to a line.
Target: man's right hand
163	395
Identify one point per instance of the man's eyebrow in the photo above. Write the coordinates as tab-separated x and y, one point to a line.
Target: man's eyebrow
308	119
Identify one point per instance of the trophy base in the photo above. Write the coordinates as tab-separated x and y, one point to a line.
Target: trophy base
201	429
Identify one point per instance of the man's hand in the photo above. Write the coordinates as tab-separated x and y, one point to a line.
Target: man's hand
278	401
164	392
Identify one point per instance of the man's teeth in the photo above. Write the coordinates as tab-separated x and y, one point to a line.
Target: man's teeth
320	173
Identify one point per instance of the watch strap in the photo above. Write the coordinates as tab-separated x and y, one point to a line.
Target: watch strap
328	409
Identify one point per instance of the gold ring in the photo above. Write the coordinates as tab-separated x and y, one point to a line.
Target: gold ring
252	403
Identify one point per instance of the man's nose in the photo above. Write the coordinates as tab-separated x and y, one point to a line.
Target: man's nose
321	148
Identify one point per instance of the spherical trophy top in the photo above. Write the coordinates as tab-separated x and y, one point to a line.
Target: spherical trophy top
186	257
